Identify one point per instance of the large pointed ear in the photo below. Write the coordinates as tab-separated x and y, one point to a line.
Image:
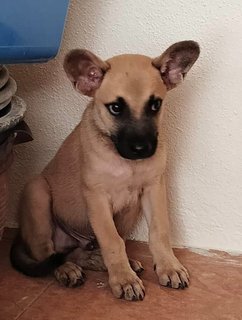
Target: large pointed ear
176	61
85	70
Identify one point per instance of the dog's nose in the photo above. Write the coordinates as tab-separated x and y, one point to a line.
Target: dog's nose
134	145
139	147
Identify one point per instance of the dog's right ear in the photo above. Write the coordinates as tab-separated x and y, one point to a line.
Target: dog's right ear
85	71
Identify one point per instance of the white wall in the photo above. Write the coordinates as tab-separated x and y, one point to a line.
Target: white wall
204	115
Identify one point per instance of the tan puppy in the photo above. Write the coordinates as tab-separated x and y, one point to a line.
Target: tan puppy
107	173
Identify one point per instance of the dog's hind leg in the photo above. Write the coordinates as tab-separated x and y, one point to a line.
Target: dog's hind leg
33	251
36	219
93	260
88	260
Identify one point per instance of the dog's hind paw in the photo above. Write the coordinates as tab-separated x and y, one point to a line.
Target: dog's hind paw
70	275
136	266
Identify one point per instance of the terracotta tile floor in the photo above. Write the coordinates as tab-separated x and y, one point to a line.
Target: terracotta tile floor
215	292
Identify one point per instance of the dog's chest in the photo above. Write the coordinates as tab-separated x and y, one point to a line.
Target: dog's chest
124	195
124	185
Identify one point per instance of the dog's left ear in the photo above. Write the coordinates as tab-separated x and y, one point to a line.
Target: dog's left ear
176	61
85	70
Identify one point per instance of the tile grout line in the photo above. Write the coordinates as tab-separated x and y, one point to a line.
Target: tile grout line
33	301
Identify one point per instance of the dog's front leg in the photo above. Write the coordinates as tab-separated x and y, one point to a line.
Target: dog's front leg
170	271
122	279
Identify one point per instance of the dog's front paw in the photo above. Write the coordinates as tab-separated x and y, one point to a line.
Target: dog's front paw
70	275
127	285
172	274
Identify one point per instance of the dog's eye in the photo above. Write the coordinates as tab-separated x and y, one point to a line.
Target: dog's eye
115	109
155	106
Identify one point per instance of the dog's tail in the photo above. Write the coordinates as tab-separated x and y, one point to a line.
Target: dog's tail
22	261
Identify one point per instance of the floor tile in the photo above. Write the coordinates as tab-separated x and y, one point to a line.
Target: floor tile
17	292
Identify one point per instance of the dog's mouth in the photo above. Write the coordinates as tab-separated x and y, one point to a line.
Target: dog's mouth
135	147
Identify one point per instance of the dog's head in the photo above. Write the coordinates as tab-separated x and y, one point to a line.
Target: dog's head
128	91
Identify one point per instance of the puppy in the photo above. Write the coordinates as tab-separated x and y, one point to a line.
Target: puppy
105	176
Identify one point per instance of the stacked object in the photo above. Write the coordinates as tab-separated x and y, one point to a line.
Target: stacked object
13	130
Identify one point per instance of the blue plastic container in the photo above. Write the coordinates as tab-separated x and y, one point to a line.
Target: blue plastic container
31	30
